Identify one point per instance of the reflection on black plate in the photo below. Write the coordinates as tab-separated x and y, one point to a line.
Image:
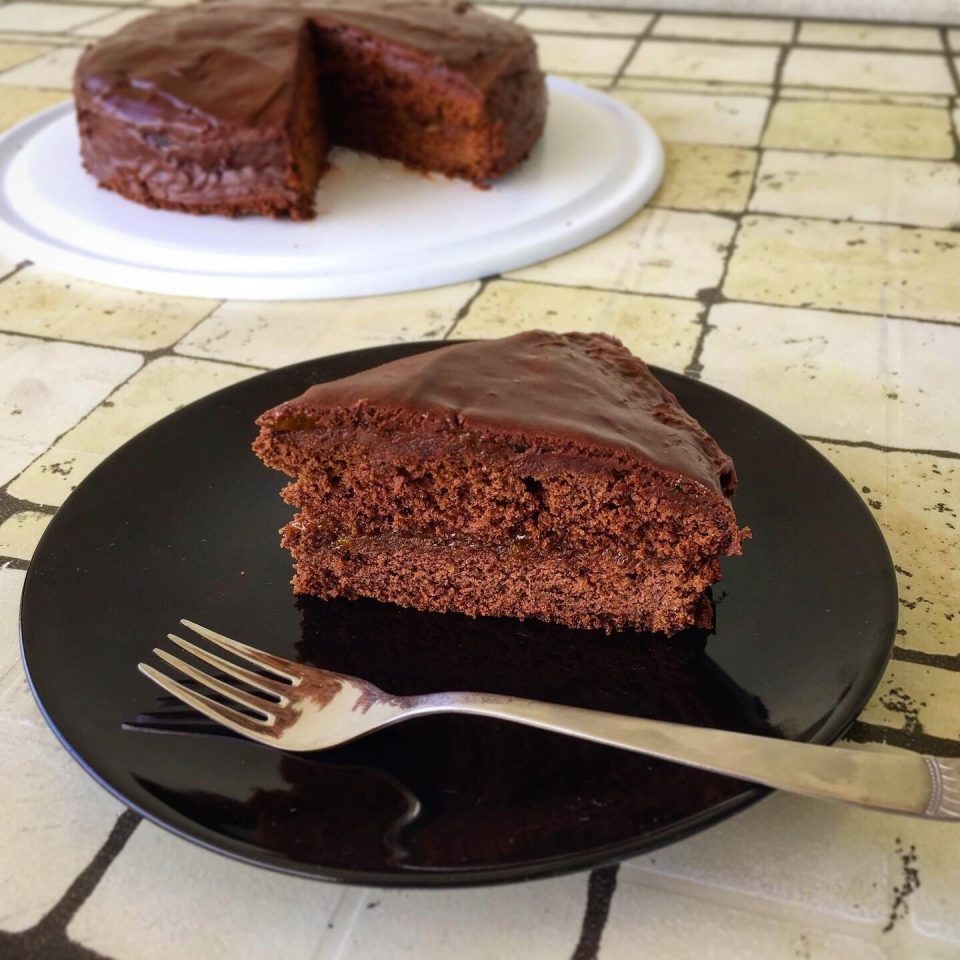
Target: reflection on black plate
183	521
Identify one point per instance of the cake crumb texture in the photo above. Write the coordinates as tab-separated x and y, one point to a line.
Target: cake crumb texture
542	475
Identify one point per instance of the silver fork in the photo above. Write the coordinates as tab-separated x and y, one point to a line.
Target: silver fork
298	707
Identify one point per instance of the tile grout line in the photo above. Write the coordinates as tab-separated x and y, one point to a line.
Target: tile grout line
868	931
713	295
147	354
664	37
173	346
955	77
48	937
507	278
692	14
882	448
470	301
639	39
333	941
27	62
776	215
10	504
14	271
852	95
734	43
601	887
147	357
937	661
761	84
861	731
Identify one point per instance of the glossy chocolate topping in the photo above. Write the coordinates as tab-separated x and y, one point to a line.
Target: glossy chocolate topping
215	64
583	387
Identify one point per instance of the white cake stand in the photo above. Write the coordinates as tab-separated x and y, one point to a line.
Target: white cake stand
379	229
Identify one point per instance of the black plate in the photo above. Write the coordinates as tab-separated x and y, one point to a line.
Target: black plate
182	522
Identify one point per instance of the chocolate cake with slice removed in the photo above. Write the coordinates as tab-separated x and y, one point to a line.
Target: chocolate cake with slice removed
541	475
229	108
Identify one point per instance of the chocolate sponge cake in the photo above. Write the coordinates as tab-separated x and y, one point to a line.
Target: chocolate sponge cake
541	475
230	107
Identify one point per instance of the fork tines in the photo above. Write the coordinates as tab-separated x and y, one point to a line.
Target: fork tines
249	712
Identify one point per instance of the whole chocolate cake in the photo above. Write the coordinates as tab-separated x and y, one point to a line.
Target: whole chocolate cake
541	475
230	108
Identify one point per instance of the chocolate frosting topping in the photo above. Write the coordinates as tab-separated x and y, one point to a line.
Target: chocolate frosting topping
216	64
575	386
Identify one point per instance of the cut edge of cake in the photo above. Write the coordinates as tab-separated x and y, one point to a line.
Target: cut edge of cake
425	483
270	163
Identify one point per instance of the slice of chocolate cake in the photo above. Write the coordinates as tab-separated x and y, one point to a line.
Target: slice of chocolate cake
541	475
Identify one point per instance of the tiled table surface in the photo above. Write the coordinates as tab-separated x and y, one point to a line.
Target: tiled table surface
803	252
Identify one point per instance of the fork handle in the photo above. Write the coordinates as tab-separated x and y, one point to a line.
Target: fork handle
900	782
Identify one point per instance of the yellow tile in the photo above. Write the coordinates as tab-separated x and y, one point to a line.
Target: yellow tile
933	910
584	21
161	387
708	178
914	498
696	86
158	389
50	40
733	63
698	118
113	22
953	38
53	71
858	70
750	29
895	131
54	475
7	264
867	96
502	10
660	330
840	375
919	192
867	268
834	860
658	251
13	54
20	533
18	104
832	34
273	334
581	54
46	387
31	16
912	696
599	81
38	302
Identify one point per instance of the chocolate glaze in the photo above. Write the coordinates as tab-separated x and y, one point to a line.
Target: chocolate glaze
218	65
587	388
214	108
